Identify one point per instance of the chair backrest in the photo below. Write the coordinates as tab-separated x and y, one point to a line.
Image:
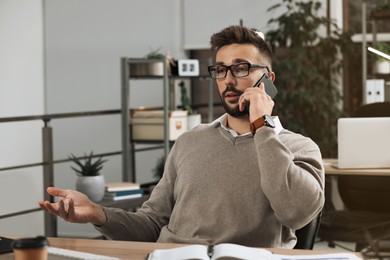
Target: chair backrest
306	236
380	109
367	193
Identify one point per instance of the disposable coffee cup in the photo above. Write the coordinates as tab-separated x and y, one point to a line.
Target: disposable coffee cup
30	248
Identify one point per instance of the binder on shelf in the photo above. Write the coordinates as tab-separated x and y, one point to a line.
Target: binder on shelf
111	194
121	195
122	190
122	186
148	125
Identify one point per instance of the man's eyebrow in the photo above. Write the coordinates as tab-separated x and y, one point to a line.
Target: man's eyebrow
234	61
240	60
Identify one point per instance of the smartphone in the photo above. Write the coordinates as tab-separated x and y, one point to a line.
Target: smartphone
269	87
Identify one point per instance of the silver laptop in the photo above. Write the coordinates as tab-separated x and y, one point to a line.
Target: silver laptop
364	142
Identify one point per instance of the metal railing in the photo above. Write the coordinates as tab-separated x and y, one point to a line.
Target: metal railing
47	163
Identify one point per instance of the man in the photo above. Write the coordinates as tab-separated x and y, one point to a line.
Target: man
236	180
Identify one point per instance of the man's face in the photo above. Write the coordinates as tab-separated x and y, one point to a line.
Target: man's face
231	88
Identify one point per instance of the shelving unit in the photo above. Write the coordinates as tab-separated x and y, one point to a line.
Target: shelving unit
135	68
128	173
374	17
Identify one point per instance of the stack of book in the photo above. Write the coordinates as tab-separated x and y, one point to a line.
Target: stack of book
122	190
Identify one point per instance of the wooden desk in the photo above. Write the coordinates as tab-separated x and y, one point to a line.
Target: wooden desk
135	250
331	169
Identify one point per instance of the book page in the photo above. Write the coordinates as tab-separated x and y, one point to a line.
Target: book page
198	252
330	256
233	251
122	186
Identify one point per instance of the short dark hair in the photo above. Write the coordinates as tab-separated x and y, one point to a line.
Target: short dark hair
240	35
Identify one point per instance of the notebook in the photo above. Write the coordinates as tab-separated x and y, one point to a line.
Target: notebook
55	253
363	142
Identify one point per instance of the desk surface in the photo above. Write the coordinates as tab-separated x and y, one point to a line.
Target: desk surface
137	250
331	169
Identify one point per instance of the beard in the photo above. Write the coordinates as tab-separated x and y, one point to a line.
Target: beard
233	111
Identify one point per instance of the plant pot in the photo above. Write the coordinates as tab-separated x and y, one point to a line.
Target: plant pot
194	120
147	68
382	67
92	186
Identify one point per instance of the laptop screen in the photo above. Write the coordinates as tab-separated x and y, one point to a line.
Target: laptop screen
364	142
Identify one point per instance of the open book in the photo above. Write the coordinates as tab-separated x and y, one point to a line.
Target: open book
238	252
203	252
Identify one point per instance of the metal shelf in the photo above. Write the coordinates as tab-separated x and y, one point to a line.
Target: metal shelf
378	15
129	71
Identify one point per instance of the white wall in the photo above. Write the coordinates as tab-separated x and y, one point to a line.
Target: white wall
203	18
21	93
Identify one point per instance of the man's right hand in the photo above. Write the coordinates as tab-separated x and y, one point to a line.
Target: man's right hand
74	206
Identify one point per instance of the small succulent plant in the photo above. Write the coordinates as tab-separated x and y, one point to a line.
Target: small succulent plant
87	167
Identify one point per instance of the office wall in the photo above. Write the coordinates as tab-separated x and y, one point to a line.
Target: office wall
214	15
21	93
84	43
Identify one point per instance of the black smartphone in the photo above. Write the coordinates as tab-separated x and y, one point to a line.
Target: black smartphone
269	87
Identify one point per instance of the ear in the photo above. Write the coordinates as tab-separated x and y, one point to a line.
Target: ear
272	75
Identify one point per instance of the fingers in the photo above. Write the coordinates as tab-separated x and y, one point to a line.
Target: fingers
241	103
252	93
71	211
262	86
64	207
60	208
260	102
53	191
42	205
48	207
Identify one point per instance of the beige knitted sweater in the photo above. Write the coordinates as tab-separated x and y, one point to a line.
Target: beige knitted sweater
216	188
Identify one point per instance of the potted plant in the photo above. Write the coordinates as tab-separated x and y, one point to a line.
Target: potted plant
307	65
382	65
155	54
151	65
159	169
381	9
194	118
89	180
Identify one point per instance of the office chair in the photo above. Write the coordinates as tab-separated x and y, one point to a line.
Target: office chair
366	218
307	234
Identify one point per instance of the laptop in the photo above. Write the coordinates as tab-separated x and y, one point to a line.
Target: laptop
363	142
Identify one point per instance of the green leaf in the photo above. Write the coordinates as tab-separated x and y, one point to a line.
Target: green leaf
88	167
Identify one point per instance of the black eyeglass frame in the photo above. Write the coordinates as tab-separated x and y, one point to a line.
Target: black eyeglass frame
250	66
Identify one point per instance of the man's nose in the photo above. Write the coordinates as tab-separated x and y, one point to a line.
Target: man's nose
229	76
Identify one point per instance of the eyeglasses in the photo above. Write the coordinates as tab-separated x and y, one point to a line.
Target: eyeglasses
238	70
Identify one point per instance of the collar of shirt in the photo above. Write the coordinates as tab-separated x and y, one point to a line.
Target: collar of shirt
222	121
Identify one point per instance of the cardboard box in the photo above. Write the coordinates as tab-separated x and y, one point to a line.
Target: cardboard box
148	125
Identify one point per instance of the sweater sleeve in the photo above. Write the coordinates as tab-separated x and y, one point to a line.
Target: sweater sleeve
147	222
292	175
